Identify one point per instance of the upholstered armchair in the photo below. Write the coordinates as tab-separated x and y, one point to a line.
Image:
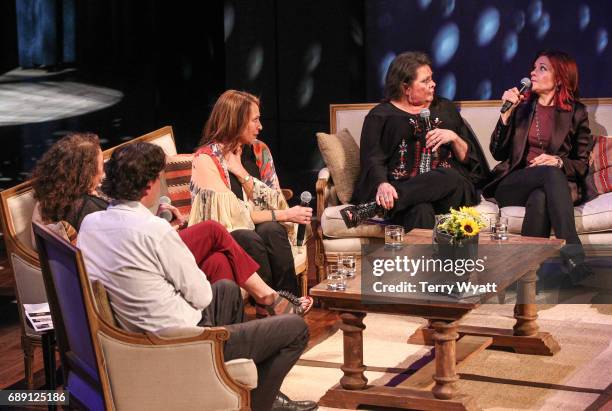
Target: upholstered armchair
107	368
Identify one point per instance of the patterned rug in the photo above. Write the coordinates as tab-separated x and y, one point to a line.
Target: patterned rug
578	377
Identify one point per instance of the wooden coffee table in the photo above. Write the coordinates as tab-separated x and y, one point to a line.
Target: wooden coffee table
433	386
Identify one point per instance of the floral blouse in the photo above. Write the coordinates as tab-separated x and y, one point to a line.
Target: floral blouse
213	199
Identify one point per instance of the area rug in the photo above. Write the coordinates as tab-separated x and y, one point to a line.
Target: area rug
577	377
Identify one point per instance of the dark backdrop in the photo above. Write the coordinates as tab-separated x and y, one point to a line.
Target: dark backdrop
483	47
171	59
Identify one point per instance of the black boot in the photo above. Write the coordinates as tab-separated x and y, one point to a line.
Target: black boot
574	260
357	214
283	403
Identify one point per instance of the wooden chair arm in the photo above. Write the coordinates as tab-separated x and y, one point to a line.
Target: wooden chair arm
287	193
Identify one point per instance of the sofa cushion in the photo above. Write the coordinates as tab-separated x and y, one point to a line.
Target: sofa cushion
333	226
341	155
591	217
178	177
599	179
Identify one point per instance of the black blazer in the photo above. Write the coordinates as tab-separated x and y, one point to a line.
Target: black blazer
571	141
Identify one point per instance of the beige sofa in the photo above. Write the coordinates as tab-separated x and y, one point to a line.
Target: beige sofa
593	219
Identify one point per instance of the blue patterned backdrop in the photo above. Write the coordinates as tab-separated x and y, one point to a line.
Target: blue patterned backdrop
480	48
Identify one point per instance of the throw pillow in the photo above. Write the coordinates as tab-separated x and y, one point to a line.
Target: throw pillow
599	179
178	176
341	155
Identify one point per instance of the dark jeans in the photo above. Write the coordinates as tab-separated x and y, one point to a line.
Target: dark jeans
273	343
425	195
269	246
544	193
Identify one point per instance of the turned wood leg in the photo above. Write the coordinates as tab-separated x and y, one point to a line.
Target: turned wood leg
525	311
352	327
445	339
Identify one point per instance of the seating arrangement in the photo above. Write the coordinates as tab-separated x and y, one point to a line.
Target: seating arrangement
108	368
340	151
17	204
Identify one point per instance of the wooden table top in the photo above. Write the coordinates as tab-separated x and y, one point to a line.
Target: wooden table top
506	262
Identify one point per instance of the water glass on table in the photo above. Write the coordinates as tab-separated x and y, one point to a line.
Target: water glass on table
336	279
347	263
394	236
499	229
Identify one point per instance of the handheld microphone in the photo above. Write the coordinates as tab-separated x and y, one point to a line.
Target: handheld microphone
424	114
525	85
305	199
166	214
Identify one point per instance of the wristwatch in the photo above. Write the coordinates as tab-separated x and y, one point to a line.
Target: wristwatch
246	179
559	162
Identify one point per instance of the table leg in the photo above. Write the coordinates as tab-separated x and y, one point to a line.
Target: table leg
525	310
352	327
445	339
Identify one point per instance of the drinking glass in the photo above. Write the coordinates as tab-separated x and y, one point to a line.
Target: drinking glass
394	236
347	264
499	229
336	280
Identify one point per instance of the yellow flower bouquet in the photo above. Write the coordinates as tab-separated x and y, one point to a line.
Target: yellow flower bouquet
461	224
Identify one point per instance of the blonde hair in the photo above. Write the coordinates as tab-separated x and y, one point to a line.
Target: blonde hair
228	119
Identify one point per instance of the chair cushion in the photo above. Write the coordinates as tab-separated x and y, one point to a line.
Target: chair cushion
243	370
341	155
178	176
591	217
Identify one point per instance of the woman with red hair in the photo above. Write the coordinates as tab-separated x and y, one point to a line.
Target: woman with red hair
543	144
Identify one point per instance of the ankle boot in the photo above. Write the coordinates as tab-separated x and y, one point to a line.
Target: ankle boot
357	214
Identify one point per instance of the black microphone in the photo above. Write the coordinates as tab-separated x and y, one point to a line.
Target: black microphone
305	199
525	85
166	214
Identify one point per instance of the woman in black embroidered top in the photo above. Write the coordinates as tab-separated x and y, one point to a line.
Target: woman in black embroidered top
543	144
412	166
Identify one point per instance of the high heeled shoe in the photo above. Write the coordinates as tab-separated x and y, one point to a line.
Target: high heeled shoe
357	214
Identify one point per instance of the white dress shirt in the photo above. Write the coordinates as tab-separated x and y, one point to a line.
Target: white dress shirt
151	277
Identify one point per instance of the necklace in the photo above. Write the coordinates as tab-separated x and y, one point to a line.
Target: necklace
537	121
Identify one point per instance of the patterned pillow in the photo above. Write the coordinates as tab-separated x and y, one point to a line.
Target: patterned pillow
178	176
599	180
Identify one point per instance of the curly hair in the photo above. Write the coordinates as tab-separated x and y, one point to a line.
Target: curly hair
228	119
402	71
131	169
64	174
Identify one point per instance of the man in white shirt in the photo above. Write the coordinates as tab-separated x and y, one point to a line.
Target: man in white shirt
154	281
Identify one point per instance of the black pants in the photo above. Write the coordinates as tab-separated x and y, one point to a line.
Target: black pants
544	193
273	343
269	246
425	195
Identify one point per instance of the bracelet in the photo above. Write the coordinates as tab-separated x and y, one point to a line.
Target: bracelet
273	215
246	179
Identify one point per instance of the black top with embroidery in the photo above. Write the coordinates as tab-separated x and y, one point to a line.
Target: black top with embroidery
393	141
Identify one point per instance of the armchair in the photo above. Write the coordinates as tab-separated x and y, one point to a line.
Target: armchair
16	205
107	368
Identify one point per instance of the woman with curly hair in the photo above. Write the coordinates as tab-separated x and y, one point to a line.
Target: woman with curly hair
66	177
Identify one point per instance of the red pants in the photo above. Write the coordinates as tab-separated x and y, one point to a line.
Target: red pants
217	253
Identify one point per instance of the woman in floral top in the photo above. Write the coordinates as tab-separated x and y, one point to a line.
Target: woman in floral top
233	182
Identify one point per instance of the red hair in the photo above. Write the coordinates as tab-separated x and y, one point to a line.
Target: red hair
566	77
